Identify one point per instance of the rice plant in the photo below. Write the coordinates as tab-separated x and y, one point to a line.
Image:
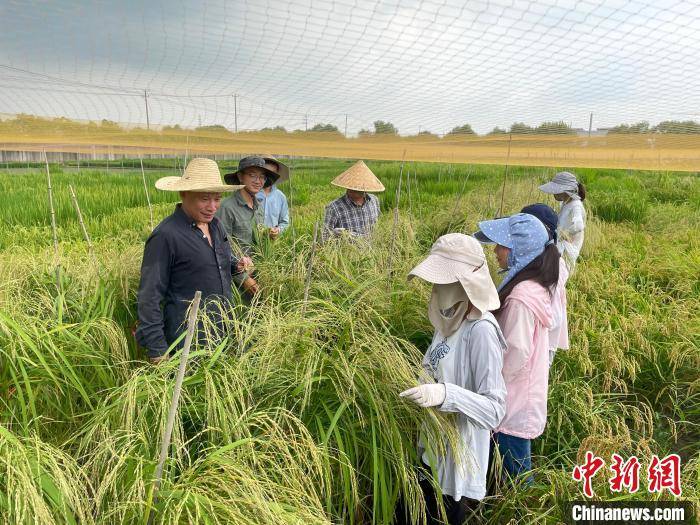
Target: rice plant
292	415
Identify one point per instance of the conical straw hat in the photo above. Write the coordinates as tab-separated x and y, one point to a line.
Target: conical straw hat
201	175
358	177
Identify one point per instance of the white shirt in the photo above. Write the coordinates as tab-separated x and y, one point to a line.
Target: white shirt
572	222
469	363
559	333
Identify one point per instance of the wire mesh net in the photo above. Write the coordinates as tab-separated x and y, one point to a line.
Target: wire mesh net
556	83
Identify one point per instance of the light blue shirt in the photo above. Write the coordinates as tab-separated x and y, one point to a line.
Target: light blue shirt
276	208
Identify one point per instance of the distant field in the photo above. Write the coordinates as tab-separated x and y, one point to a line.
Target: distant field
295	418
652	151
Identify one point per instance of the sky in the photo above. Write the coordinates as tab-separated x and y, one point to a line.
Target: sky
422	65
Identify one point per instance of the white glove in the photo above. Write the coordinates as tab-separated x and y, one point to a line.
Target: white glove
429	395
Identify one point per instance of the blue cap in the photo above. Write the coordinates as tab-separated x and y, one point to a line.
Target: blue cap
523	234
547	215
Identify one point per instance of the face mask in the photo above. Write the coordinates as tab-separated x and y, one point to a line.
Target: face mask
448	306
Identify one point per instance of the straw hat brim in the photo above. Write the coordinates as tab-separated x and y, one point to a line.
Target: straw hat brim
178	184
476	282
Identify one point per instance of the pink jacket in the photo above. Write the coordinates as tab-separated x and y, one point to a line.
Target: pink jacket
525	319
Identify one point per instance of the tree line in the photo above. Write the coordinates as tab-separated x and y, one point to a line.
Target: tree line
24	124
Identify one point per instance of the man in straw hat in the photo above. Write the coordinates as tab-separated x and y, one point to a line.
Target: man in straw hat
241	213
462	371
273	201
188	251
357	211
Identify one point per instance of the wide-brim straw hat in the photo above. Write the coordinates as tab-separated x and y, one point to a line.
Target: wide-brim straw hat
456	257
282	169
201	176
358	177
253	161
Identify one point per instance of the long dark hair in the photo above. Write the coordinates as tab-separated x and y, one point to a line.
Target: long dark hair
581	191
544	270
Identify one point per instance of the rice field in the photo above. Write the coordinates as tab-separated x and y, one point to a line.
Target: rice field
294	415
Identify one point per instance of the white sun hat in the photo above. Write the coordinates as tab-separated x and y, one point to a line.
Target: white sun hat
201	175
456	257
358	177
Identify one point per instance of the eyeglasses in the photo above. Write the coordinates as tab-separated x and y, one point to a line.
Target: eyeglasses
255	177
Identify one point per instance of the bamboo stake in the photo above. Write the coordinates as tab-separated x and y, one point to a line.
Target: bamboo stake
396	217
393	241
145	189
505	175
167	435
53	224
291	207
309	268
458	199
74	199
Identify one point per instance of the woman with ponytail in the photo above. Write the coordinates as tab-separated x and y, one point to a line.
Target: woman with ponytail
572	215
530	261
559	333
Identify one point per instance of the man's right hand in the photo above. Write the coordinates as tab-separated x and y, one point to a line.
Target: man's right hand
158	360
251	286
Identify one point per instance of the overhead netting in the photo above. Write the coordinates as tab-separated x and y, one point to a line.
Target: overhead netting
556	83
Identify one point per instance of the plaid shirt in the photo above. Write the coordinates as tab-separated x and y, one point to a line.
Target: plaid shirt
357	220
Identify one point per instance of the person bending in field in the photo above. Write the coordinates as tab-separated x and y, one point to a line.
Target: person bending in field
530	259
559	333
356	212
273	201
572	214
242	215
463	364
188	251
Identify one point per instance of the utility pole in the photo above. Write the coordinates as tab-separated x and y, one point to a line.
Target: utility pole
590	124
235	113
346	125
145	99
306	122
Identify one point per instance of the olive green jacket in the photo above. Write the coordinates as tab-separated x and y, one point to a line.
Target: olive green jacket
241	224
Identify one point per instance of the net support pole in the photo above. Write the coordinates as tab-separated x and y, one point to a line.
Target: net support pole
167	435
309	268
54	230
145	189
505	175
86	235
396	217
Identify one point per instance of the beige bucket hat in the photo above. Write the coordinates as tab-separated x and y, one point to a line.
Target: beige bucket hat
201	175
456	257
358	177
